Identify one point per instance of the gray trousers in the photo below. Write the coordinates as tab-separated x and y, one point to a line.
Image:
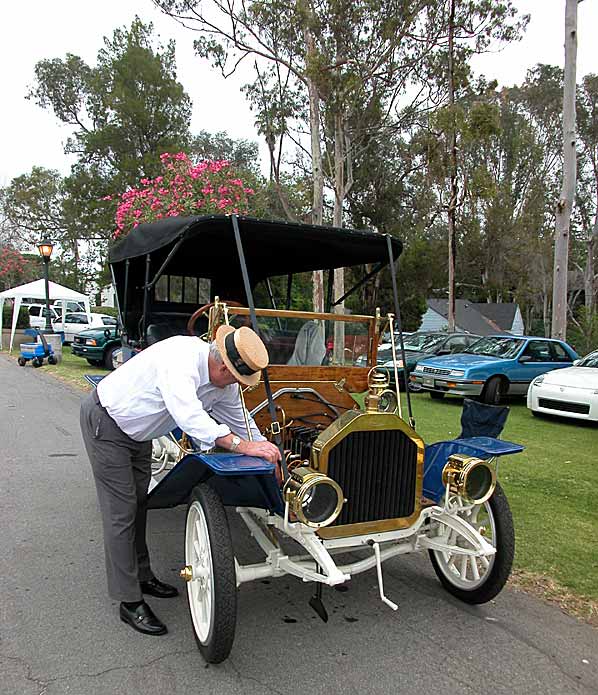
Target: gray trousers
122	471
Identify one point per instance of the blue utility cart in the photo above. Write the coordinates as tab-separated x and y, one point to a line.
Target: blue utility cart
37	352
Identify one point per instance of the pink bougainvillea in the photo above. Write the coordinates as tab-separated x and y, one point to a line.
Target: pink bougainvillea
183	189
14	269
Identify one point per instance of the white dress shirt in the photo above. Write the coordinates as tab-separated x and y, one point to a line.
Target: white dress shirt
168	385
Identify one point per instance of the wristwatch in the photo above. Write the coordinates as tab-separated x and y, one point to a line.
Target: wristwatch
235	443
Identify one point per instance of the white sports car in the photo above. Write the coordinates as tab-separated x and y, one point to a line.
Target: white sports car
569	392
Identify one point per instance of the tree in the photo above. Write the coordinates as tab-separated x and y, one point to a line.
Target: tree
468	27
345	57
125	111
587	197
565	202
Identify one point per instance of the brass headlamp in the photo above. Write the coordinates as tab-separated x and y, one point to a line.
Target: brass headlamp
314	498
379	399
469	477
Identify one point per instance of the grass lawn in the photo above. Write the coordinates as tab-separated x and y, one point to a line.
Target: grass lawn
71	368
551	485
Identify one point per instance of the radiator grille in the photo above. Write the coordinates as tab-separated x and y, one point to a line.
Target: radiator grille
436	370
581	408
377	472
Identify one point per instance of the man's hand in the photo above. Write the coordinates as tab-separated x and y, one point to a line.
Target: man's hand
265	450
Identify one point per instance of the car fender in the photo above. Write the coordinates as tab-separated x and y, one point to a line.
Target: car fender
436	456
241	481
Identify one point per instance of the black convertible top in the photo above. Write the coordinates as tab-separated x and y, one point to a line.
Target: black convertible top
271	247
205	247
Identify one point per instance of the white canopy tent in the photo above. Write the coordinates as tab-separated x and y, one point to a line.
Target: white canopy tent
37	290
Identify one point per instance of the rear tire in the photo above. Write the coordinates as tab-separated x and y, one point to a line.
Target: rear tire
22	361
493	391
436	395
52	360
212	591
460	581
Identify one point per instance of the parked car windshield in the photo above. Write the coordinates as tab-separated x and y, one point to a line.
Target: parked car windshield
590	360
505	348
423	342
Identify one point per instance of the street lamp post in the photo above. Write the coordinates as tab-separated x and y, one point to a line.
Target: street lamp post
45	248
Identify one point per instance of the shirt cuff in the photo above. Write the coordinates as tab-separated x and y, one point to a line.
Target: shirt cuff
217	432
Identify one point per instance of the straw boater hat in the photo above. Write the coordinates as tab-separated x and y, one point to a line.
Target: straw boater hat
243	353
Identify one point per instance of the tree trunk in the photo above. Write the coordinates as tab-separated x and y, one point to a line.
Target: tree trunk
339	273
588	276
565	203
316	163
452	245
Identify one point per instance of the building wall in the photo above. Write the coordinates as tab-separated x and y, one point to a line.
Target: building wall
518	328
107	296
433	321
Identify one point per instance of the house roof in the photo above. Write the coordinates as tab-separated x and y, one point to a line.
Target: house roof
502	314
468	316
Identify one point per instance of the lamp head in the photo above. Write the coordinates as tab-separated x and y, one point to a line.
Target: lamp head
45	248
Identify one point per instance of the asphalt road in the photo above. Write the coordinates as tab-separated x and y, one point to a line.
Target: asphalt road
60	633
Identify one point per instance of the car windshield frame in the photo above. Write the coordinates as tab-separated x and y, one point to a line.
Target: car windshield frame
500	347
590	360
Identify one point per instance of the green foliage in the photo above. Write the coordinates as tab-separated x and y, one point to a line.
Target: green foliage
583	333
108	310
22	318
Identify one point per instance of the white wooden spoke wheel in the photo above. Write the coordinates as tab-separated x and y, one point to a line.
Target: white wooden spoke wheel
210	574
478	579
198	556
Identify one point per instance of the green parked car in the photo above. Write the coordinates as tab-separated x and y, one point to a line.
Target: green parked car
99	346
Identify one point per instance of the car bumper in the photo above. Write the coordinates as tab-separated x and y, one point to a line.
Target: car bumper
90	353
444	384
580	404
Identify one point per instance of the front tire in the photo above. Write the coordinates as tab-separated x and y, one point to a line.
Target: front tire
94	363
479	580
22	361
109	358
436	395
212	590
493	391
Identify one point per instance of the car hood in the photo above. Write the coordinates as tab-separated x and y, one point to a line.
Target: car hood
460	360
98	331
577	377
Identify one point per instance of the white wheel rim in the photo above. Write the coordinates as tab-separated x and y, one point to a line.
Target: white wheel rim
468	572
198	555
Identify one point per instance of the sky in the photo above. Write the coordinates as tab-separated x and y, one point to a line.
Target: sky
29	32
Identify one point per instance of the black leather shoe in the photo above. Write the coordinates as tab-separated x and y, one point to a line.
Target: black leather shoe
142	619
154	587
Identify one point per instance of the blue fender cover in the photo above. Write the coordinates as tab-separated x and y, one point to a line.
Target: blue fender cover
436	456
243	481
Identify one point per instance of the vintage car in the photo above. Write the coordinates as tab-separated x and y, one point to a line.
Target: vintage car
356	474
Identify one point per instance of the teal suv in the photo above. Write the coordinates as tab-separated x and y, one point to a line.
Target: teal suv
99	346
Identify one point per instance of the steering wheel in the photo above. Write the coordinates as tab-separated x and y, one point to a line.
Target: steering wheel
198	313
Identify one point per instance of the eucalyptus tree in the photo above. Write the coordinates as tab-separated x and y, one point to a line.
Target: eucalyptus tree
587	196
565	202
467	27
319	65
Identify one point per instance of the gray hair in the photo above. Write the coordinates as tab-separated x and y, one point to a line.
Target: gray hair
215	352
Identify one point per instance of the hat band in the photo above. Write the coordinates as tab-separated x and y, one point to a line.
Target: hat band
234	356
